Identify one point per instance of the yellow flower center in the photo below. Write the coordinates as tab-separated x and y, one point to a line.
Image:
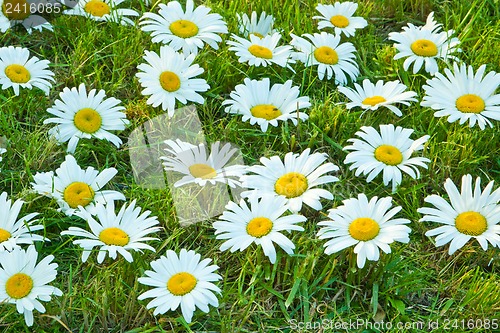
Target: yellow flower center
471	223
261	52
19	285
181	284
87	120
339	21
259	226
16	9
470	103
364	229
203	171
257	34
424	48
4	235
97	8
266	111
17	73
374	100
326	55
388	154
184	28
291	185
78	194
114	236
170	81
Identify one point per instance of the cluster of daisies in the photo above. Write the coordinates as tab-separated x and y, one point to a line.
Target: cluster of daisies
274	192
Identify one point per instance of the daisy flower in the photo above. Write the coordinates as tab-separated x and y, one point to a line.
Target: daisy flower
471	214
84	116
192	161
372	96
257	26
2	151
388	151
168	77
72	186
334	59
188	30
263	51
23	282
261	104
339	16
14	12
114	233
103	10
462	95
17	70
367	224
181	280
261	224
296	179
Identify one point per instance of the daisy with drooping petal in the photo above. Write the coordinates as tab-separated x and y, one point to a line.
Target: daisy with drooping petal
79	116
372	96
261	104
23	282
388	151
18	70
72	186
181	280
469	213
462	95
188	30
14	12
334	59
169	77
261	224
339	16
257	26
367	224
295	179
103	10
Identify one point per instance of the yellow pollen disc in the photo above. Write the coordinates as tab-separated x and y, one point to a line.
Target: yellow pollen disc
203	171
181	284
257	34
388	154
326	55
470	103
17	73
260	52
78	194
4	235
114	236
266	111
170	81
364	229
471	223
424	48
19	285
291	185
16	9
339	21
259	226
374	100
87	120
97	8
184	28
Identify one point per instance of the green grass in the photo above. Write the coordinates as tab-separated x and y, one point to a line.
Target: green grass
416	283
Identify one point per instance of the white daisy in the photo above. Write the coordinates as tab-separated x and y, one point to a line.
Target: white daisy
103	10
296	179
261	104
168	77
187	30
339	16
372	96
193	162
17	70
366	224
2	151
261	224
463	95
388	151
257	26
263	51
80	115
14	12
23	282
72	186
334	59
471	214
181	280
